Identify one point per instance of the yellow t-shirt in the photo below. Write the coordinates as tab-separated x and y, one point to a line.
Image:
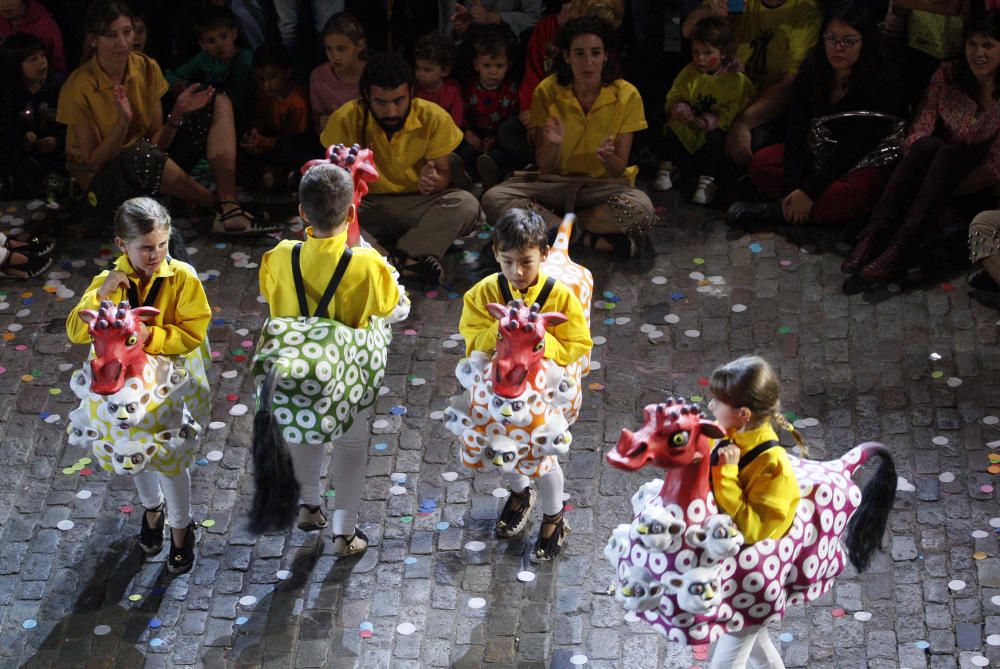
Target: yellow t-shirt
617	110
184	316
774	41
427	134
762	498
87	99
564	343
367	288
725	94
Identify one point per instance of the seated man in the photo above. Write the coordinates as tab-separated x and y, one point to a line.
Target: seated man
411	207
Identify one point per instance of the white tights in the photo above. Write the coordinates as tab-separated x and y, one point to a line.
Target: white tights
550	488
350	462
754	643
153	487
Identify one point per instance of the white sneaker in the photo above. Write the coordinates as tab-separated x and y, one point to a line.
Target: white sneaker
705	192
664	177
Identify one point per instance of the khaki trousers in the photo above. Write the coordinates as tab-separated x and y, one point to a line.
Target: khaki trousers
420	225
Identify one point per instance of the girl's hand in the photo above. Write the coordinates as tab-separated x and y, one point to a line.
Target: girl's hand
554	130
698	123
121	101
192	99
682	112
797	207
113	282
607	149
729	455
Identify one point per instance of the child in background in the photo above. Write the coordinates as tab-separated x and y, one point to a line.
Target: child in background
760	495
32	144
367	288
435	55
140	34
29	16
335	82
178	331
490	99
282	114
220	63
704	100
520	245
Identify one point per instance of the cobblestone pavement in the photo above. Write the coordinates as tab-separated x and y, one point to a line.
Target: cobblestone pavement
915	369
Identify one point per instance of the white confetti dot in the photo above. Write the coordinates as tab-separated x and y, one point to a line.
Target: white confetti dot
995	600
863	616
84	494
436	415
248	600
934	356
384	390
15	327
406	629
477	603
739	308
993	640
229	374
578	660
475	546
600	341
903	485
238	409
623	320
243	332
66	366
659	280
694	334
946	477
526	576
595	365
65	525
990	420
956	585
380	424
449	343
646	328
418	381
704	289
213	456
397	477
216	425
716	280
4	305
449	476
53	418
283	574
500	492
979	661
65	293
993	444
397	490
23	312
980	534
656	334
697	276
940	441
994	522
456	336
102	630
954	382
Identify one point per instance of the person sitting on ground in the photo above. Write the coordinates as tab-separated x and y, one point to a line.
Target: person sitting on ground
335	82
117	138
434	55
953	149
775	36
583	118
30	16
519	16
411	208
705	98
840	185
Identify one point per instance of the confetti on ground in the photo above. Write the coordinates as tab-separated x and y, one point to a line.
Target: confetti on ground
993	640
65	525
786	637
216	425
213	456
863	616
995	522
922	645
946	477
410	560
406	629
671	318
500	492
580	660
837	613
986	488
134	598
397	411
990	420
102	630
694	334
659	280
697	276
248	600
406	519
381	446
380	424
156	643
979	555
238	409
903	485
739	308
283	574
980	534
449	476
956	585
597	387
475	546
155	623
477	603
29	624
397	490
526	576
84	494
208	522
230	374
443	525
242	620
940	441
954	382
979	661
755	248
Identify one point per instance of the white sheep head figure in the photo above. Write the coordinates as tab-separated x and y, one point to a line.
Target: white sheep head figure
553	436
658	530
718	537
456	416
560	388
504	453
127	407
127	456
177	378
513	411
618	544
79	382
647	491
638	590
697	590
80	429
469	371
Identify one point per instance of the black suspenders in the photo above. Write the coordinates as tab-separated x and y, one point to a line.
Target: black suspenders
508	297
322	307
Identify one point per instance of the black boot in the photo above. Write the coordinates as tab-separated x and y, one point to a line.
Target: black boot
182	559
750	215
151	538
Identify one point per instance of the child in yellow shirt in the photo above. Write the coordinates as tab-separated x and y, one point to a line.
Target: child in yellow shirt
520	245
367	288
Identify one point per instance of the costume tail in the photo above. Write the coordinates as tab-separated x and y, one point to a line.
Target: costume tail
276	491
867	525
564	234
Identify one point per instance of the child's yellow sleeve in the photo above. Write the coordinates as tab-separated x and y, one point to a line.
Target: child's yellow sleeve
567	342
477	325
189	325
765	507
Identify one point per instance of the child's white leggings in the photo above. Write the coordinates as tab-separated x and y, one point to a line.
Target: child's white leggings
350	462
153	487
754	643
550	488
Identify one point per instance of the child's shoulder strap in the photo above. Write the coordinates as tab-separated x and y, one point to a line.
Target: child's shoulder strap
747	457
154	291
322	307
508	297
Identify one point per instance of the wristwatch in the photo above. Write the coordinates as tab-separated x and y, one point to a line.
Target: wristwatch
172	124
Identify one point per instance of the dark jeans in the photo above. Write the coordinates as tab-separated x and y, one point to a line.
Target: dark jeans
704	162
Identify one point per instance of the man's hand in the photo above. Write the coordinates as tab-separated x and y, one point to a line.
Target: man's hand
428	181
797	207
460	20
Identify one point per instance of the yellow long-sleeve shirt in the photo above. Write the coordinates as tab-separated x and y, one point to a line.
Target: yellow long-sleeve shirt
181	325
564	343
762	498
367	288
725	94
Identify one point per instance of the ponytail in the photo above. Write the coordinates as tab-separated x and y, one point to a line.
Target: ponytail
785	424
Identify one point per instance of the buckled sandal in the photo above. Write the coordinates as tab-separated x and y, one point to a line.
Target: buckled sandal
311	518
151	538
548	548
28	268
254	226
182	559
348	545
33	246
514	516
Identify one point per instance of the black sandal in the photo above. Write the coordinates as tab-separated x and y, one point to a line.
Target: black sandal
182	559
254	227
151	538
347	545
514	516
33	246
28	269
311	518
548	548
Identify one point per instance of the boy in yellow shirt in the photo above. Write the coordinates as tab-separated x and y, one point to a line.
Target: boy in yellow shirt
367	288
520	245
